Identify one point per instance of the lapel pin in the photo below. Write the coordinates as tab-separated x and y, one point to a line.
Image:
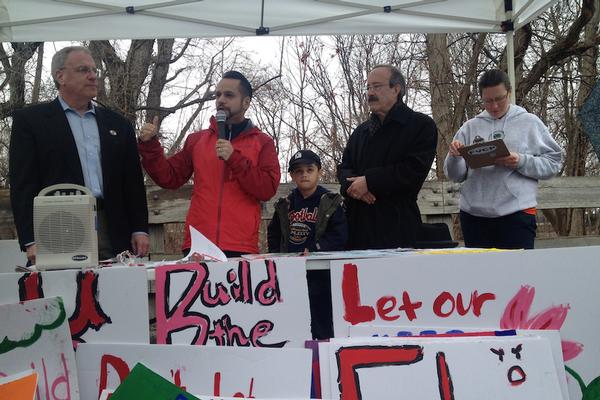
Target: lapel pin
112	132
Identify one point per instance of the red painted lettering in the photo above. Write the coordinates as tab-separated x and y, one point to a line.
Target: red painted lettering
383	310
179	317
53	387
220	298
62	380
444	378
267	292
241	292
349	359
262	328
177	379
30	286
354	312
439	302
119	366
217	384
479	299
88	313
409	307
227	334
250	395
445	304
217	388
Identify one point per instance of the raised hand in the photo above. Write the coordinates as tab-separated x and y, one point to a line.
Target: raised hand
149	130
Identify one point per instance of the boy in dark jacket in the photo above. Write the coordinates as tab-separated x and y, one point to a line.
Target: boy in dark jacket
310	218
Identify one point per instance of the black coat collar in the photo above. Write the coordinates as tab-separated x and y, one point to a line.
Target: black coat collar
399	113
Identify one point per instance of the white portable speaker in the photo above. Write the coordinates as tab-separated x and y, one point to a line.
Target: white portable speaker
64	227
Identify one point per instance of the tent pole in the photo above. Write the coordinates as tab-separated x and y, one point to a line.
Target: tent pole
508	28
510	60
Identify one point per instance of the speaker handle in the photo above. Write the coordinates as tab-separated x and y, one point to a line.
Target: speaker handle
65	189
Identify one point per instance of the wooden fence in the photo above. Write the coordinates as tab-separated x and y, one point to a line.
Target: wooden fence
438	201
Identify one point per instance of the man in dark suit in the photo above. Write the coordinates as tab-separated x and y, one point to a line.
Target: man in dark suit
71	140
384	164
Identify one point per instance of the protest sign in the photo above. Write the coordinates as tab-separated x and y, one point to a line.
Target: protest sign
261	303
19	386
534	289
143	383
553	337
34	335
102	305
200	370
502	367
201	397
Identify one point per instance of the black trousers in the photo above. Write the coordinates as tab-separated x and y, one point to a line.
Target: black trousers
513	231
105	250
319	296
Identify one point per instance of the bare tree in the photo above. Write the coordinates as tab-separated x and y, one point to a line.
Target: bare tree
14	74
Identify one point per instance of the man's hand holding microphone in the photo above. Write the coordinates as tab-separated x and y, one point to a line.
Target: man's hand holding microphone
223	145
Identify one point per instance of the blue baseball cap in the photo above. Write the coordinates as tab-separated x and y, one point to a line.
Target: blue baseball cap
304	157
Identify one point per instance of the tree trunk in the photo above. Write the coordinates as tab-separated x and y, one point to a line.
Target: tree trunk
448	99
37	80
125	77
441	88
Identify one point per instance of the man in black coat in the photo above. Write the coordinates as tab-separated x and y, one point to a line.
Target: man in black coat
384	165
71	140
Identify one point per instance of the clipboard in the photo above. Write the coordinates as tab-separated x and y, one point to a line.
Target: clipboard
484	153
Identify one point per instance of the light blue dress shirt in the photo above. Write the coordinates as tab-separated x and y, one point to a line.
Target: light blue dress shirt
87	138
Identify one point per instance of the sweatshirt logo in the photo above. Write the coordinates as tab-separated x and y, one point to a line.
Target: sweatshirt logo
302	222
497	135
303	215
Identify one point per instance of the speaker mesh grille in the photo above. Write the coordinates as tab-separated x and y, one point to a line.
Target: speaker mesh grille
63	230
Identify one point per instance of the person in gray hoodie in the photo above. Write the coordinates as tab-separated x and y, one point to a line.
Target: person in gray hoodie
497	202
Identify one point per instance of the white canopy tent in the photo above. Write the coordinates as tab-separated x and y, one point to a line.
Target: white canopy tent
53	20
56	20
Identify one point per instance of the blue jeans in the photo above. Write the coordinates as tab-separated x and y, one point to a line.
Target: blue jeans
513	231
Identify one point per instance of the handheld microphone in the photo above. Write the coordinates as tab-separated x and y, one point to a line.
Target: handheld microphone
221	117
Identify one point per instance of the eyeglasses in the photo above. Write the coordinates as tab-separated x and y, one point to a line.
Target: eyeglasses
376	87
495	100
84	70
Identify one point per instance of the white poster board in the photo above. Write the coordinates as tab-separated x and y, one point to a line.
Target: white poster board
534	289
491	368
202	397
106	393
34	335
103	305
553	337
261	303
216	371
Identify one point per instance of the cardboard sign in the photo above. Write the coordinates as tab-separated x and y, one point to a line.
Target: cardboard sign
516	368
200	397
34	335
105	395
262	303
19	386
103	305
143	383
216	371
483	154
533	289
553	337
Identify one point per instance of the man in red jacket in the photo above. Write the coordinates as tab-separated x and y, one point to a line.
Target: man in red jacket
231	176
